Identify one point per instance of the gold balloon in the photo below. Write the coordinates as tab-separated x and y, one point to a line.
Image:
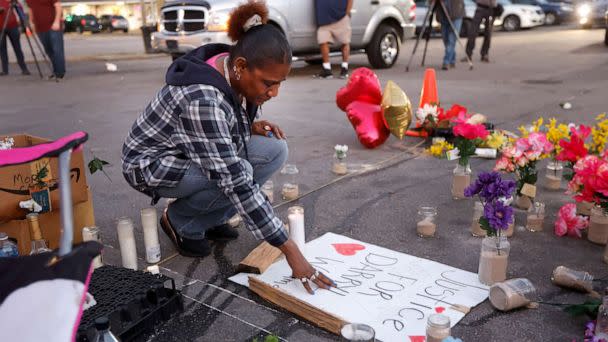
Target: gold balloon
396	109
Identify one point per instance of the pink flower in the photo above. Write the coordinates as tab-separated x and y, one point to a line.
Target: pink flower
470	131
568	222
461	118
539	143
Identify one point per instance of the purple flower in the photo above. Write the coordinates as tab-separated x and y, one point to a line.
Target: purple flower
490	187
498	215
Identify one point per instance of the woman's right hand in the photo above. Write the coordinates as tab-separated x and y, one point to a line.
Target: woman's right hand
302	270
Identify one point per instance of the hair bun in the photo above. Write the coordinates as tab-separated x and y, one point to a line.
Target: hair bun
246	16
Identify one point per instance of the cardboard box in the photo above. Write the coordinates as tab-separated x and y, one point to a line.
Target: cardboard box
50	225
17	182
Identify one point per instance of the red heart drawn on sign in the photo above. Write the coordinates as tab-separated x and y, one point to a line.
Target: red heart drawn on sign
417	338
439	309
348	248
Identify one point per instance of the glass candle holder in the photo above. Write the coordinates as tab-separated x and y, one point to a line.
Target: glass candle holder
553	175
437	328
426	226
598	226
493	260
268	190
522	202
358	332
476	229
584	208
291	189
536	217
461	180
339	165
512	294
572	279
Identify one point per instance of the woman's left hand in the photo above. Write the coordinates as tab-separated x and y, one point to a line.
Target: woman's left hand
267	129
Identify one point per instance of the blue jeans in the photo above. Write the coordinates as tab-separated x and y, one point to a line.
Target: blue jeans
201	205
449	39
53	45
13	35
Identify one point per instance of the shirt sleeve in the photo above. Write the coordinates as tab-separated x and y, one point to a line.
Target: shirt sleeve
207	141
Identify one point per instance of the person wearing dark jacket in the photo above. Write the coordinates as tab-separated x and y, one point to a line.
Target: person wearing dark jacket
455	9
200	141
11	33
485	12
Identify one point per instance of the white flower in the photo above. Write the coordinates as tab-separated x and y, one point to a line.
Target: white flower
7	143
341	151
424	112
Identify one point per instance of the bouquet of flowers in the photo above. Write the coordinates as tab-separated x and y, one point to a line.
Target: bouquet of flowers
493	192
599	135
568	222
521	158
469	134
590	181
431	116
573	149
439	148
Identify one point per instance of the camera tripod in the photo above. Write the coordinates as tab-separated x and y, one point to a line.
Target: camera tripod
24	26
428	25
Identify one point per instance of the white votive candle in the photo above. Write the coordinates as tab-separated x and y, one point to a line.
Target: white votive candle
296	226
149	224
92	234
126	240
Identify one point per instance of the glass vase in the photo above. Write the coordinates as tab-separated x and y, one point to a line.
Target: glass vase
553	176
339	166
536	217
291	189
461	180
493	260
584	208
598	226
426	226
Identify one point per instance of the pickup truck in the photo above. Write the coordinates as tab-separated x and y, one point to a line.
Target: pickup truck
378	27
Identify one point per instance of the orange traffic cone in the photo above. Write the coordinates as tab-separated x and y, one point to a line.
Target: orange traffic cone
428	94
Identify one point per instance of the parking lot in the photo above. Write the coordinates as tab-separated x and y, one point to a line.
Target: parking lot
531	73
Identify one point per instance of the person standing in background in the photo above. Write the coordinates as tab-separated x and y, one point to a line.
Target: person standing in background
12	32
333	22
484	11
45	15
455	9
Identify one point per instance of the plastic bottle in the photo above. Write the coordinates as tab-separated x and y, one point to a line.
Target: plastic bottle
102	324
7	247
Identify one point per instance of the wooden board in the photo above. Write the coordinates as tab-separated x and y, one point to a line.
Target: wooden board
259	259
302	309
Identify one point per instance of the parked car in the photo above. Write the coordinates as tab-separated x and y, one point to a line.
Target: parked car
378	27
421	8
591	13
555	12
114	23
82	23
517	16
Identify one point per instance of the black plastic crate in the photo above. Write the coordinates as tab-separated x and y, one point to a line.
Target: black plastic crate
134	302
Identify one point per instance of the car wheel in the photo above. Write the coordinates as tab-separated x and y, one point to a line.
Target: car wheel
550	18
383	50
606	37
175	56
314	61
511	23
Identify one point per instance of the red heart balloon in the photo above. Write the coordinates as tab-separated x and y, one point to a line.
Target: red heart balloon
348	248
368	123
363	85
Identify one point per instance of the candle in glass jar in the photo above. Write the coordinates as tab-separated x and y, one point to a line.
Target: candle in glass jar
426	226
268	190
437	328
126	240
92	234
150	228
297	231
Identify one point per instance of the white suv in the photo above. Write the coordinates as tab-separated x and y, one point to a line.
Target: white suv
378	27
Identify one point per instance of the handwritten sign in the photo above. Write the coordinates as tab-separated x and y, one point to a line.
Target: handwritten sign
391	291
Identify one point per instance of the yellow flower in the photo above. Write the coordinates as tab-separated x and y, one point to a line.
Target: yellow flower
496	140
439	149
555	133
535	127
599	135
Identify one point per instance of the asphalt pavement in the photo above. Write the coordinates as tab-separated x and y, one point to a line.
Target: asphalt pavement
530	74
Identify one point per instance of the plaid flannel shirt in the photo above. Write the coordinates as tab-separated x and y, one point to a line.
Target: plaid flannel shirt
198	124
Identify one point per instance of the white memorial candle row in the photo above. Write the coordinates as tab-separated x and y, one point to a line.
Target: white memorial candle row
126	238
